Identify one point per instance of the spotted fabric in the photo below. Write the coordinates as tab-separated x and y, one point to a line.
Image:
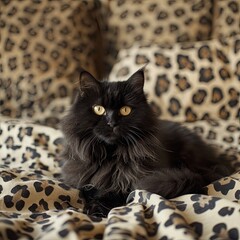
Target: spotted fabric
226	18
43	44
187	81
153	21
35	204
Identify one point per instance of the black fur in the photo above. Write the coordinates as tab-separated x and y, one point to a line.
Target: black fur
137	151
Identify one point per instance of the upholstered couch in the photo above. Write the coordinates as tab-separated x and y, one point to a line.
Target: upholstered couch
192	52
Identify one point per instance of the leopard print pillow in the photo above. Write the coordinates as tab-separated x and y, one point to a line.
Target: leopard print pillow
226	18
154	21
43	43
188	81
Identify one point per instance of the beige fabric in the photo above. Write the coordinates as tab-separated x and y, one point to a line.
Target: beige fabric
34	204
187	81
43	45
153	21
131	22
226	18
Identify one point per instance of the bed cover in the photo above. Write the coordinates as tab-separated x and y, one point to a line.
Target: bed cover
35	204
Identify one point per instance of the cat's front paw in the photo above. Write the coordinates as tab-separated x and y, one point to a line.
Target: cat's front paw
93	203
95	208
88	192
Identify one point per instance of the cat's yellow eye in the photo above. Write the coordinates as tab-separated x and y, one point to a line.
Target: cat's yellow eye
99	110
125	110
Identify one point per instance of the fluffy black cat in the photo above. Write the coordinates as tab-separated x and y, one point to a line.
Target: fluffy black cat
114	144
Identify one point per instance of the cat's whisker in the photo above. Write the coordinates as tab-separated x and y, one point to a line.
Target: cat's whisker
154	137
139	149
141	146
131	138
136	134
85	133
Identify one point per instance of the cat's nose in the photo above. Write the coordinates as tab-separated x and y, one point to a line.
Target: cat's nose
111	124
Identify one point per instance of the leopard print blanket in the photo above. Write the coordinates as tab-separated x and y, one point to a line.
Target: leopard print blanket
35	204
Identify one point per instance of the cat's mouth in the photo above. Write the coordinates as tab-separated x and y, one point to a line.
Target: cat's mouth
110	135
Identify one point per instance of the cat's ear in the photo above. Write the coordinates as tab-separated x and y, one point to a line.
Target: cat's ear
87	83
137	79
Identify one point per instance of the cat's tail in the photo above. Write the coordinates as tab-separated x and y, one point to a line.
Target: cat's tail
171	183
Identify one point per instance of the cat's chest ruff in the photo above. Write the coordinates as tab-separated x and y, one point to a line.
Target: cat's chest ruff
116	172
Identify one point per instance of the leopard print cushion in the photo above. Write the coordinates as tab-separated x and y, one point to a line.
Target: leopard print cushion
188	81
43	43
223	135
154	21
226	18
35	204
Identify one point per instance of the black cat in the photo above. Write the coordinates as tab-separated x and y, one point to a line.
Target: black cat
114	144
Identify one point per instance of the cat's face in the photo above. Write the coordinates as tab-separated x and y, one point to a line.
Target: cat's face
114	112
